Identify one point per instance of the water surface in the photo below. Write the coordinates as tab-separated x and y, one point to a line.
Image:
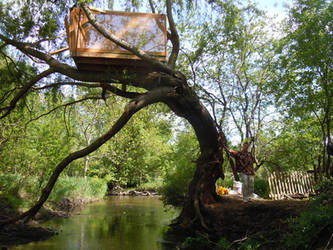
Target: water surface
128	223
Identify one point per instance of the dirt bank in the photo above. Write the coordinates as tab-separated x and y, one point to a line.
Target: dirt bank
236	221
19	233
262	220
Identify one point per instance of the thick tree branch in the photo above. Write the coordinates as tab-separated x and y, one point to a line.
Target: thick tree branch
174	37
23	91
58	84
120	92
106	86
146	81
131	108
61	67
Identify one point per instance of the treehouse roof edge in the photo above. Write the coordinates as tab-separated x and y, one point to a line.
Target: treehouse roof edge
125	13
146	31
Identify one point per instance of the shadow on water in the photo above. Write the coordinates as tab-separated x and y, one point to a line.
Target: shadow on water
113	224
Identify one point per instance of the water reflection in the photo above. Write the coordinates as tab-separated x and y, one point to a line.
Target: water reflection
115	223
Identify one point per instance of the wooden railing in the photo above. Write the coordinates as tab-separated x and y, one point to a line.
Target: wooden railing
296	184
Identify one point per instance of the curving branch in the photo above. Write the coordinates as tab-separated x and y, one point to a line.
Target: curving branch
58	84
120	42
23	91
120	92
174	37
131	108
106	86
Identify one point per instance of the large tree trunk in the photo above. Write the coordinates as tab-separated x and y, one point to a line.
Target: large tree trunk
209	165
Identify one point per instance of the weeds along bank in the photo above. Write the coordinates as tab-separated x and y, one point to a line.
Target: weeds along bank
20	192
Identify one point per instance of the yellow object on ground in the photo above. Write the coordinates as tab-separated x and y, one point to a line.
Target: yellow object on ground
222	191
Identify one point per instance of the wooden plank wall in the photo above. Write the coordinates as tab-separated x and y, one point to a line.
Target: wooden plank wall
283	185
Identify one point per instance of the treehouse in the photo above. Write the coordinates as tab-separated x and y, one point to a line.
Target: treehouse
92	51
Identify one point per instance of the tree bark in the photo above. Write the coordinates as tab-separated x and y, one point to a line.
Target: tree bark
209	165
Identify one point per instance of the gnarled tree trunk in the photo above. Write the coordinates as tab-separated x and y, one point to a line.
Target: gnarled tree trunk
209	165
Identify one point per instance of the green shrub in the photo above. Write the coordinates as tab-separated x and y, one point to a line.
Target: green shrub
198	241
313	228
223	244
228	181
261	187
22	192
175	188
74	187
10	184
176	181
151	186
97	187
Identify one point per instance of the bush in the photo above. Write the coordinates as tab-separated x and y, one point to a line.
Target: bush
261	187
10	187
151	186
313	228
23	191
175	188
74	187
228	181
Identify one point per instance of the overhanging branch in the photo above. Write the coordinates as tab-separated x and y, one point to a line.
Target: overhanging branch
107	86
131	108
23	91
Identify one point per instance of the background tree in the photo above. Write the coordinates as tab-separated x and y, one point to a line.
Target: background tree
229	63
304	86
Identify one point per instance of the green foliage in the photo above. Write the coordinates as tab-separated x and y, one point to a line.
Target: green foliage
9	187
290	145
22	191
199	241
151	186
303	84
261	187
175	188
223	244
227	182
33	19
313	228
92	188
137	154
249	244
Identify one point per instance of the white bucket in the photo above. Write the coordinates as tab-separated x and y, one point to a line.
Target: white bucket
237	187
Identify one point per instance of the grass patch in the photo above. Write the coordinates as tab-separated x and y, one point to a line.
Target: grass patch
151	186
22	192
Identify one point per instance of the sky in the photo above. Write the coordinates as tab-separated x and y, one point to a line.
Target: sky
272	6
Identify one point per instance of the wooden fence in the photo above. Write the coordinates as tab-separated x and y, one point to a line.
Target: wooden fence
296	184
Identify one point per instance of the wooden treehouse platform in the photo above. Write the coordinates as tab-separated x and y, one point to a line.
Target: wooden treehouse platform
92	51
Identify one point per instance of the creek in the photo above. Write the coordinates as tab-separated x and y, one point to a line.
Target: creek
116	223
